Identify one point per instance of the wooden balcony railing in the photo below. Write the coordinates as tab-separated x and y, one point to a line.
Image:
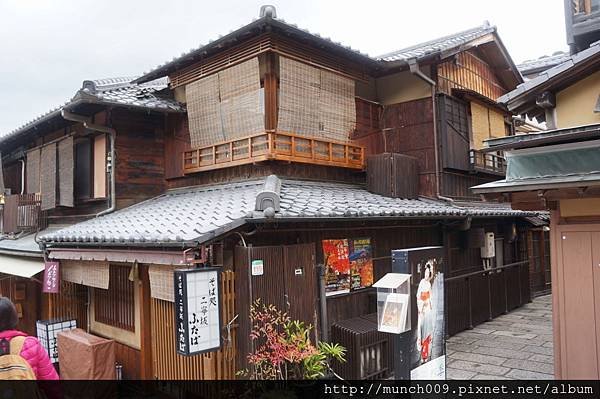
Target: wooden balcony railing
273	145
487	162
22	213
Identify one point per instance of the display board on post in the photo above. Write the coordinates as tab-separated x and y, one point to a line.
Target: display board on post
421	351
197	310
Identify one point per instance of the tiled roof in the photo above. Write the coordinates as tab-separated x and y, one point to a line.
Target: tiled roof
113	91
122	92
199	214
439	45
543	63
552	73
195	54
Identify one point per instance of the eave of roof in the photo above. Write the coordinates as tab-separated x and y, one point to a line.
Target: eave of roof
555	78
540	183
253	28
557	136
543	63
101	93
188	217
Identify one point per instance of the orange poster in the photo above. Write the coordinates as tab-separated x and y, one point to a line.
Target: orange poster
337	263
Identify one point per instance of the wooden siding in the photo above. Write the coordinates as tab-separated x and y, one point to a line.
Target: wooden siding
25	294
458	185
263	44
168	365
140	159
407	128
393	175
115	306
455	132
71	303
129	358
12	177
467	71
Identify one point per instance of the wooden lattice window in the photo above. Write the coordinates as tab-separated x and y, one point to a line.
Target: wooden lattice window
116	306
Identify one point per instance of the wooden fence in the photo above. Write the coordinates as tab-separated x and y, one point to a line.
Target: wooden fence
474	298
168	365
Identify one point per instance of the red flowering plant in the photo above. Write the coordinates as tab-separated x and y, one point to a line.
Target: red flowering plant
283	348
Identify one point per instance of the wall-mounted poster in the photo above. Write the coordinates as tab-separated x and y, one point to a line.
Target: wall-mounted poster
361	263
426	343
349	264
337	263
197	314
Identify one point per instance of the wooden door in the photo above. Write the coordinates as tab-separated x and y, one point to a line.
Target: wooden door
580	323
300	282
288	281
454	130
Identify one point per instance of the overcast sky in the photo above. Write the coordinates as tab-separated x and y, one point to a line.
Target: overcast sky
48	47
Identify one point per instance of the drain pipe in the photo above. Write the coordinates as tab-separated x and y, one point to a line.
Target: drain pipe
112	134
22	176
415	70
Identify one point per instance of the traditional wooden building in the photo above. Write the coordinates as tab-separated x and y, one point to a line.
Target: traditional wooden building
289	143
558	170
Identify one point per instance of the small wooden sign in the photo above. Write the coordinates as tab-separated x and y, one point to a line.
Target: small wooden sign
51	278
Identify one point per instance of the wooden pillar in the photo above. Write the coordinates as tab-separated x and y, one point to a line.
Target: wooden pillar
270	86
146	369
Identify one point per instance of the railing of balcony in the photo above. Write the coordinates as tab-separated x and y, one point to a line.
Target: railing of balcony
487	162
274	145
22	213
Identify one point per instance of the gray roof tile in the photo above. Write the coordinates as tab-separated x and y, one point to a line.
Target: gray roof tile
113	91
198	214
549	74
544	62
438	45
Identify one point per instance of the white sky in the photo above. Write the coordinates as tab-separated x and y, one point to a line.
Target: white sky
48	47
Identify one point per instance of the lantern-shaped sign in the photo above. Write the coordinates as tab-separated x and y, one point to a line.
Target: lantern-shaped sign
47	330
393	303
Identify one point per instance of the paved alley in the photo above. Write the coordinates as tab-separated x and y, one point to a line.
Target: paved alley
517	345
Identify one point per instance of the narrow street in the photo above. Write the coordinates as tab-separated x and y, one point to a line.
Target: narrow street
517	345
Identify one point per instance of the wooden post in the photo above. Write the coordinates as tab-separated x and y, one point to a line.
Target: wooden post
146	369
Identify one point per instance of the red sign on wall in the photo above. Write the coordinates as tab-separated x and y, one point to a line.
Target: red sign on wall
51	278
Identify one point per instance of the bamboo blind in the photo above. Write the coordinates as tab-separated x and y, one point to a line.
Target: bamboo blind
168	365
314	102
48	176
90	273
298	97
226	105
241	110
161	283
33	171
66	167
337	106
204	113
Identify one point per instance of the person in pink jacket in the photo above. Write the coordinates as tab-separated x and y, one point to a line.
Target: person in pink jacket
33	352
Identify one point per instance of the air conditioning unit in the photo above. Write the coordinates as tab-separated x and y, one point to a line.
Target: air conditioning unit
488	250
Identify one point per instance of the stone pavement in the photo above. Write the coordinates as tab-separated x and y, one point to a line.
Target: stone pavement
517	345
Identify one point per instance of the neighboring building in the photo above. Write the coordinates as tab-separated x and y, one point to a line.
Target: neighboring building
582	21
267	142
566	95
559	170
532	68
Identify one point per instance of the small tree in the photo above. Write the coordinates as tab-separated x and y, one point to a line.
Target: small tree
283	348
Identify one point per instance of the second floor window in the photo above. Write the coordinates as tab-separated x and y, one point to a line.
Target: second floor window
90	167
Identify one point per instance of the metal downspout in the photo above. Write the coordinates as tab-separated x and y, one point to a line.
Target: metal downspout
112	134
414	69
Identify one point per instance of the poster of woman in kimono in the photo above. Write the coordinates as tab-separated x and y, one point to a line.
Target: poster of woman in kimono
426	316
